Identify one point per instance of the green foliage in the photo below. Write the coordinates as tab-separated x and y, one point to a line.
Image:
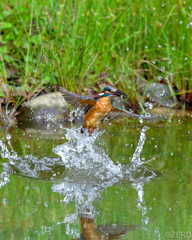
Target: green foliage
71	43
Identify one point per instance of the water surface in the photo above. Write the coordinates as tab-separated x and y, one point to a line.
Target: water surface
129	180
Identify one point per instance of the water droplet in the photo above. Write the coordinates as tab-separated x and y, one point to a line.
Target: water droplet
190	24
8	136
150	107
162	93
162	69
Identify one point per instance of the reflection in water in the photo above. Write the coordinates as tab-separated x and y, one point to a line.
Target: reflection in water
88	171
91	231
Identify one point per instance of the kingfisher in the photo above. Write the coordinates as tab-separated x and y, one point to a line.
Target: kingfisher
96	109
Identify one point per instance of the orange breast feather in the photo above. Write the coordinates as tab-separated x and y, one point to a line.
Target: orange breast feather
97	113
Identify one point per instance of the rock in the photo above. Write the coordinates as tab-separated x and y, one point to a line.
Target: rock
46	109
7	121
3	119
120	103
158	93
162	112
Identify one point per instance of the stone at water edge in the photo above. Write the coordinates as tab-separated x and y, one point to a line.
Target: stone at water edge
158	93
163	112
44	109
7	121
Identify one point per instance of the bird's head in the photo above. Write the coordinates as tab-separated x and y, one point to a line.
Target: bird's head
111	91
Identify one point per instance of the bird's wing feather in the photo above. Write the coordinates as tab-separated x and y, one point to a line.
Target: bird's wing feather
120	113
76	100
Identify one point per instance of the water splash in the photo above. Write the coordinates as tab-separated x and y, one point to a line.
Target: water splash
136	156
135	171
88	168
86	153
140	201
28	165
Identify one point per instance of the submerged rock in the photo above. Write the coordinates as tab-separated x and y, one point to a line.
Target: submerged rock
48	108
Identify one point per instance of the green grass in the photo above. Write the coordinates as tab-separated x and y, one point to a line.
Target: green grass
76	43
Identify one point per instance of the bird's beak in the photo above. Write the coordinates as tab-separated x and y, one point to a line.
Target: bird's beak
118	93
